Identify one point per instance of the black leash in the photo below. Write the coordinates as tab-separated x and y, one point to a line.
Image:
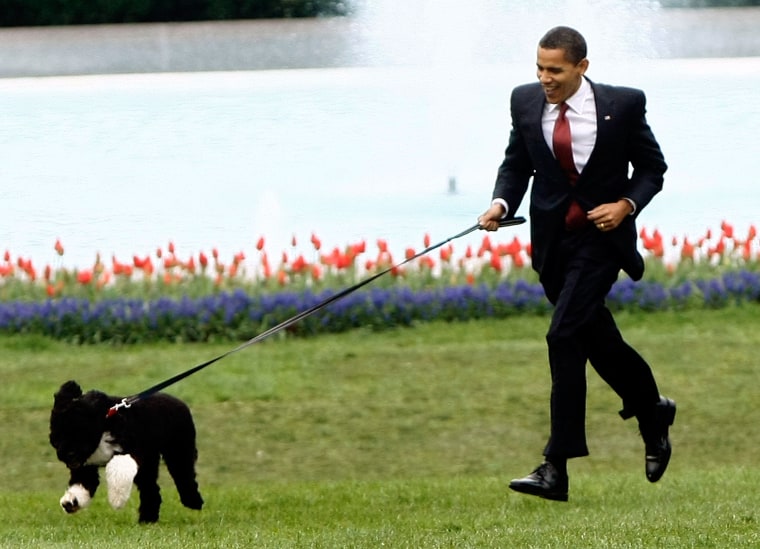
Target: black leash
129	401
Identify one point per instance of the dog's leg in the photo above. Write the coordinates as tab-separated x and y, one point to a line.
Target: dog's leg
146	481
120	472
180	461
83	483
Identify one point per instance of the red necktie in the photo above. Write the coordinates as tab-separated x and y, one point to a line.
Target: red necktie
562	142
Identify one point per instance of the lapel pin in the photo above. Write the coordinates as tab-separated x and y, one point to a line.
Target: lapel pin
607	117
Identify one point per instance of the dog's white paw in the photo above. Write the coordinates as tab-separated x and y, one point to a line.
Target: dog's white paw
76	497
120	472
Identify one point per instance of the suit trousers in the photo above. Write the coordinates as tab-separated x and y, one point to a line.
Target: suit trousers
582	329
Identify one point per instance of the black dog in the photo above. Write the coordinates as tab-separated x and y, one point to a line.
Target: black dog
128	444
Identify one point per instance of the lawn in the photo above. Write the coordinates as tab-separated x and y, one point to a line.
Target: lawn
404	438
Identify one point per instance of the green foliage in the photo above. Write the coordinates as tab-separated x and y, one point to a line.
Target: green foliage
405	438
88	12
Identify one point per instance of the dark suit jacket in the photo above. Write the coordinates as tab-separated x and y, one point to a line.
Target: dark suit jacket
623	138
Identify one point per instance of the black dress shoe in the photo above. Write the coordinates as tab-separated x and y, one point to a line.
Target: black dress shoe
545	482
656	441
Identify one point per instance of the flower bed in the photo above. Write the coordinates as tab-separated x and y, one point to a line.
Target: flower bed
200	298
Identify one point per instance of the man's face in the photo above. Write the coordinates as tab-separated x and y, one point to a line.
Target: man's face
559	77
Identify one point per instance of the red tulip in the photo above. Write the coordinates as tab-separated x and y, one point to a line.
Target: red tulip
687	250
267	270
514	247
148	267
84	277
330	259
344	261
719	248
315	242
299	264
728	230
485	246
358	248
496	261
58	247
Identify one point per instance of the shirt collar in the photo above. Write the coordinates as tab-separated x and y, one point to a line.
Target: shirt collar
578	99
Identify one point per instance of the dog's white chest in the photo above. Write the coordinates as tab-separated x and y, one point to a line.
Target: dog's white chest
105	451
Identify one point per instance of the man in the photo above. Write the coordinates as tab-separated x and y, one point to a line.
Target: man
576	139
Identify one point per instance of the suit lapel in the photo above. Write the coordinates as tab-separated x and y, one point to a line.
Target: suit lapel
535	112
605	125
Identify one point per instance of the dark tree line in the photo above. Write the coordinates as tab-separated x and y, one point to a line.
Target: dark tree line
14	13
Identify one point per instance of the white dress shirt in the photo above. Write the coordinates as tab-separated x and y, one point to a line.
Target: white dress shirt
581	114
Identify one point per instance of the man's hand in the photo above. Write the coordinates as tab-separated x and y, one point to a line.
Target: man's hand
608	217
489	220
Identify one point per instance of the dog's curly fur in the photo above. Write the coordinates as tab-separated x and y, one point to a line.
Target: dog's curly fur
85	440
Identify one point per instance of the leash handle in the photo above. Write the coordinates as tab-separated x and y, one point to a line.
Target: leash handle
129	401
510	221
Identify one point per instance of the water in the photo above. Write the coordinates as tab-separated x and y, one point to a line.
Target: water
123	164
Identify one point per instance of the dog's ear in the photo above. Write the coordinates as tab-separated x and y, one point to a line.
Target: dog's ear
96	400
68	392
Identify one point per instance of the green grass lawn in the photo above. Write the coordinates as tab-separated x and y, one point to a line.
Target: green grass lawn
404	438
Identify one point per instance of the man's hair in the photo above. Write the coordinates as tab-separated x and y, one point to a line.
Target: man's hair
565	38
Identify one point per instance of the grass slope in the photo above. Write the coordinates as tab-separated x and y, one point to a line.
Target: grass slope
404	438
